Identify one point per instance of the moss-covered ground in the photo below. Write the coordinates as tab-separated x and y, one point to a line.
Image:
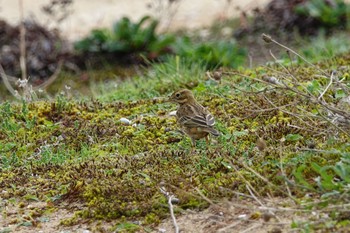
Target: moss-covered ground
67	151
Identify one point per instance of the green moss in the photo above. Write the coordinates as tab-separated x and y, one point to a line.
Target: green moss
81	152
70	221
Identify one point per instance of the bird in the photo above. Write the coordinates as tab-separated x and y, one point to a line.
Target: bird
194	119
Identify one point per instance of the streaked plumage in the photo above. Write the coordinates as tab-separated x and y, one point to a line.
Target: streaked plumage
195	120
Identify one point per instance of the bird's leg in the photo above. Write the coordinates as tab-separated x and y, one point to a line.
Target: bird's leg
207	139
193	143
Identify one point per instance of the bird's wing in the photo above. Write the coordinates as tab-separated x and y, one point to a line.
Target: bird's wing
197	120
210	119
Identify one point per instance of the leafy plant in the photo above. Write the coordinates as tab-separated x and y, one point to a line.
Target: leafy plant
127	37
212	54
329	15
323	46
332	182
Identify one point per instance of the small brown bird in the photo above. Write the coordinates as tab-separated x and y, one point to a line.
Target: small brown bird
195	120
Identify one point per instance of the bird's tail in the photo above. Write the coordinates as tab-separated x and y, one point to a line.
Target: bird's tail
214	132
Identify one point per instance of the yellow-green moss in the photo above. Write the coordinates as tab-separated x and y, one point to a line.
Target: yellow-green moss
81	152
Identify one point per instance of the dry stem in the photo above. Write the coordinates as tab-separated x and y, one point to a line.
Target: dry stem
22	30
170	197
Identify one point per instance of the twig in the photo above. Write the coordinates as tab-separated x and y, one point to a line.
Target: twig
251	188
170	198
268	39
241	194
7	83
22	31
329	121
264	179
250	61
276	60
251	228
52	78
328	86
252	92
267	109
291	75
315	150
285	68
281	109
252	194
284	174
291	60
229	226
204	197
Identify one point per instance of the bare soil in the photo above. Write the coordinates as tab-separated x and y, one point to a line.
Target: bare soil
235	215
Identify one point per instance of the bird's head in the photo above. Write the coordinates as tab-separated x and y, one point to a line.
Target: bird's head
182	96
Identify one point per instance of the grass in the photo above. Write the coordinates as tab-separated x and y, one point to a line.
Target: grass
157	82
319	47
79	151
326	46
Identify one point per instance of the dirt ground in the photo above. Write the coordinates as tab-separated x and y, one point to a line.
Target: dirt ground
236	215
85	15
239	214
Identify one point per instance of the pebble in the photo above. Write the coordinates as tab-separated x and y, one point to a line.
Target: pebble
173	113
125	121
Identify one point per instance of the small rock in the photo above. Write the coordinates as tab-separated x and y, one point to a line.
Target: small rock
173	113
242	216
125	121
267	216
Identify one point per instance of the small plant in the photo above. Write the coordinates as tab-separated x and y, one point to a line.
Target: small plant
332	183
306	17
332	180
141	39
324	47
128	38
212	54
328	13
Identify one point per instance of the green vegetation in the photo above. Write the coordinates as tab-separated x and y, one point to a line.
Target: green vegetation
82	152
323	47
212	54
329	14
285	133
141	39
128	38
171	75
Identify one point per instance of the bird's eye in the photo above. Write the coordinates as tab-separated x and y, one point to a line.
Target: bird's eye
177	95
